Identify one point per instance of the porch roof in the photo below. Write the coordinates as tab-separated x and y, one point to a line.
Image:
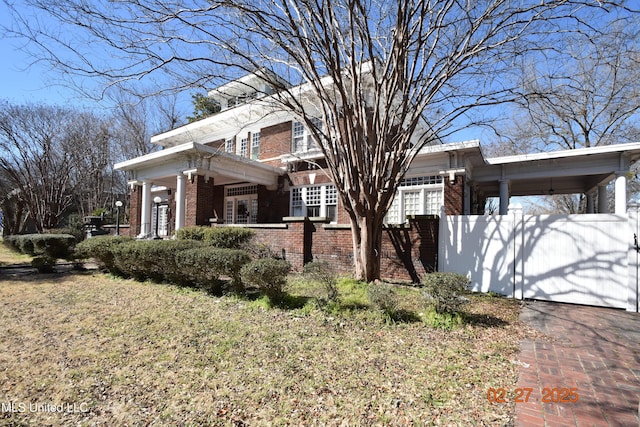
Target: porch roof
196	159
557	172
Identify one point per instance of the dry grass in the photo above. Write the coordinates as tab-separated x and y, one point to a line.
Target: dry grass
8	256
133	353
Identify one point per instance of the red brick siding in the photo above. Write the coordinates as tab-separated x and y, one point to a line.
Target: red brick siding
134	211
454	196
288	242
408	252
199	201
219	144
275	141
272	205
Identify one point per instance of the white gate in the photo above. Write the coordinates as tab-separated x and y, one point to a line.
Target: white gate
584	259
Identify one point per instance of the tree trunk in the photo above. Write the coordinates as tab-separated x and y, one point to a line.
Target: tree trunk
367	241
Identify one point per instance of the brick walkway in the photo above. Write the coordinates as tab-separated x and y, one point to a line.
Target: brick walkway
596	351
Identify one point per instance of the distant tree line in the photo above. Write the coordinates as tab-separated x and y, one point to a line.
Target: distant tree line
56	162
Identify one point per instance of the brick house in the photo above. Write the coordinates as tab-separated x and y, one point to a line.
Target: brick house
251	165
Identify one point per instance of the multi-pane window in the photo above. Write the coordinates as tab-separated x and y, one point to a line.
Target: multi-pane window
243	147
298	137
241	204
255	145
297	204
302	139
228	145
422	195
315	201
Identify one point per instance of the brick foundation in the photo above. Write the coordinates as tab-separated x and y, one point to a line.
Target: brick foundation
408	251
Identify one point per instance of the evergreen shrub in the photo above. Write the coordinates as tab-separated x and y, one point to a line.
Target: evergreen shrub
445	291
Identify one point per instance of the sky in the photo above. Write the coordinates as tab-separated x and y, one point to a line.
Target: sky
20	81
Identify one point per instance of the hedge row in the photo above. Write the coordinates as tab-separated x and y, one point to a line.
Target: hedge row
221	237
183	262
49	245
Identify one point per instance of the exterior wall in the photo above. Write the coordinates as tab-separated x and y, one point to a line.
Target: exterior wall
199	201
408	252
134	210
275	141
454	196
272	205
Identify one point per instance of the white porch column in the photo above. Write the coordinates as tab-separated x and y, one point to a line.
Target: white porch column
590	203
621	193
504	196
603	205
180	201
145	210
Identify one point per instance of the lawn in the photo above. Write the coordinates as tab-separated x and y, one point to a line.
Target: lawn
8	257
109	352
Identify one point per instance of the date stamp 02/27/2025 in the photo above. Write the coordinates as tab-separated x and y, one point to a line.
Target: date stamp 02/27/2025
525	394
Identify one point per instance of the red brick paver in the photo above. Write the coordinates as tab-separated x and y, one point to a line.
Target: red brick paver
595	351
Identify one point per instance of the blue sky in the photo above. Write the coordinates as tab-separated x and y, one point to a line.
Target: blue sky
21	82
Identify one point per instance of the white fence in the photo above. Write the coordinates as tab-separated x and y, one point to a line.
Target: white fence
584	259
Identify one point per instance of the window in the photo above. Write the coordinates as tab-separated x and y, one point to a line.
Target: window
228	145
302	139
315	201
255	145
242	147
241	204
422	195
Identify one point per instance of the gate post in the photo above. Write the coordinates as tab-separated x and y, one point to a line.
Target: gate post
517	255
633	299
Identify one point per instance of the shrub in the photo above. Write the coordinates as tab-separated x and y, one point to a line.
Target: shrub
151	259
50	245
195	232
322	273
203	266
221	237
101	248
383	297
229	237
445	291
269	275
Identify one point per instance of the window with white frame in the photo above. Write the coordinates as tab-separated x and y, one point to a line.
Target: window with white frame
241	204
302	139
255	145
243	147
422	195
315	201
228	145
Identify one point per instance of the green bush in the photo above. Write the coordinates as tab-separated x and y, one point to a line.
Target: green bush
50	245
151	259
269	275
101	248
322	273
445	291
196	232
203	266
383	297
221	237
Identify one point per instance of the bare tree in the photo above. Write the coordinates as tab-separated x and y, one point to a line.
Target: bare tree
35	162
585	95
384	78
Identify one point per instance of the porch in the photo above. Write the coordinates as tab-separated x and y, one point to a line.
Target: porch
185	185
